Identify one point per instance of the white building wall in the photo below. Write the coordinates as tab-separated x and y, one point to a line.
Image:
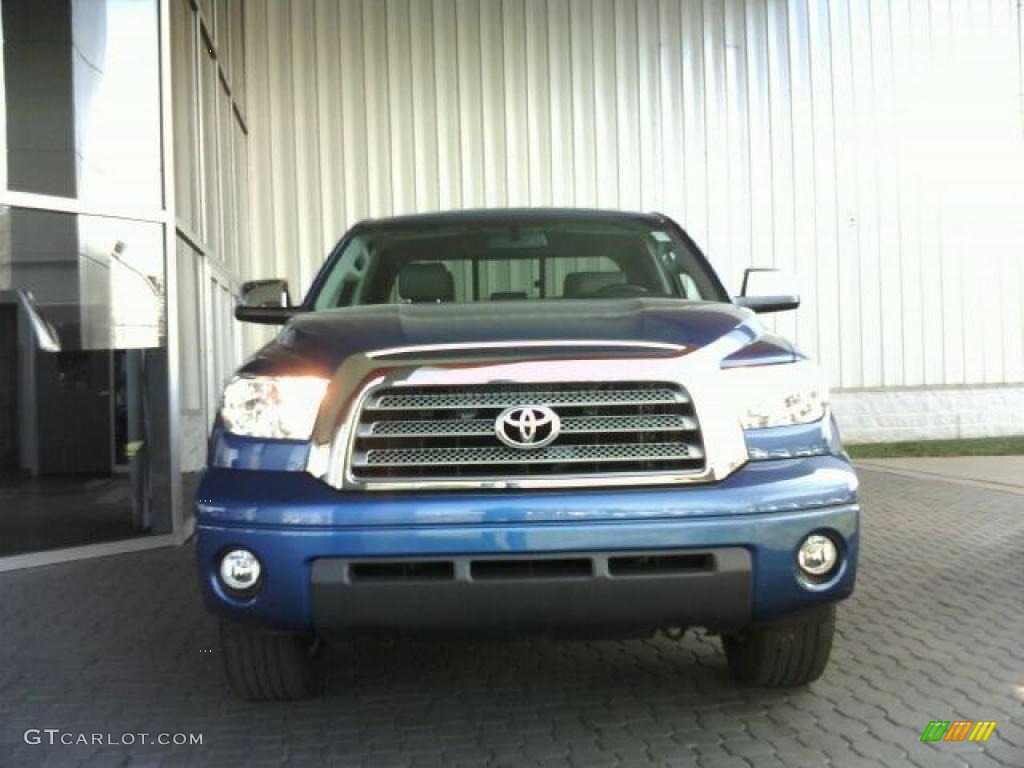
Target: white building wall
876	147
951	413
211	210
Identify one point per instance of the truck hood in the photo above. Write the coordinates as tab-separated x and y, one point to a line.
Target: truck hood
317	343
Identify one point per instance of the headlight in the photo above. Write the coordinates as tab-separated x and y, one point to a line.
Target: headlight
779	395
283	408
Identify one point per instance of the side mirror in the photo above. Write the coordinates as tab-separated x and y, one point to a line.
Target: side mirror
265	301
769	290
266	293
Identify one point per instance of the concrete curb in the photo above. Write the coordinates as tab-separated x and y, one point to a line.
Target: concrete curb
920	474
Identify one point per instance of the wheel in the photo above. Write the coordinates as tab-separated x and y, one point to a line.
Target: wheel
269	666
783	655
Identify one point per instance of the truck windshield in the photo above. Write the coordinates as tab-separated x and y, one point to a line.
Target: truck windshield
517	260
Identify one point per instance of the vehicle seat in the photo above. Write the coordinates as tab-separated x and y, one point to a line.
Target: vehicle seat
426	282
508	295
583	284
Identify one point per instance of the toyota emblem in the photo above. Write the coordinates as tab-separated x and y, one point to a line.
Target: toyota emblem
527	427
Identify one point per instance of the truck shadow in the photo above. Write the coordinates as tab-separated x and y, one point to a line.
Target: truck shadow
471	675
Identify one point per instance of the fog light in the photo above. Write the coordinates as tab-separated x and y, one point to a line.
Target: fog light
240	570
817	556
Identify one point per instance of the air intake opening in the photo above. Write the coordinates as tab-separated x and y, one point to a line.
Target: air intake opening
652	565
564	568
426	570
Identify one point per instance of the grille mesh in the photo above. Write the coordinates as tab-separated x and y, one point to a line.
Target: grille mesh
505	399
423	434
570	425
415	457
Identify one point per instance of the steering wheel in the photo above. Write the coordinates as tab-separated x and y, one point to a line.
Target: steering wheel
620	290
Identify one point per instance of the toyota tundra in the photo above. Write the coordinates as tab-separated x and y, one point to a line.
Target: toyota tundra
524	421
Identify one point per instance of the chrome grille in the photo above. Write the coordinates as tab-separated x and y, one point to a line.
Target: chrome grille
444	433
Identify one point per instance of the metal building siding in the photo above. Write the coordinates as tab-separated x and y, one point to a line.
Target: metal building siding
874	146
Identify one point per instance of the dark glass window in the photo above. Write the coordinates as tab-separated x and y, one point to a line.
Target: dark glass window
83	380
551	257
82	100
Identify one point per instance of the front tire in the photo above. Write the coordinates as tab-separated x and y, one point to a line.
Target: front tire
783	655
268	666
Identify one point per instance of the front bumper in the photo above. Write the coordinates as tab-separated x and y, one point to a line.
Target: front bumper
307	536
632	591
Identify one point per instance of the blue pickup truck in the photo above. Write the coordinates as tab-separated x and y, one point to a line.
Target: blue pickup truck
522	421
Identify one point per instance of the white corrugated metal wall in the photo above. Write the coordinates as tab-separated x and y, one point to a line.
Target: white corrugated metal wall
874	146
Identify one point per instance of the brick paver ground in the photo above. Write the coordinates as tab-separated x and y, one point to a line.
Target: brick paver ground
934	631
